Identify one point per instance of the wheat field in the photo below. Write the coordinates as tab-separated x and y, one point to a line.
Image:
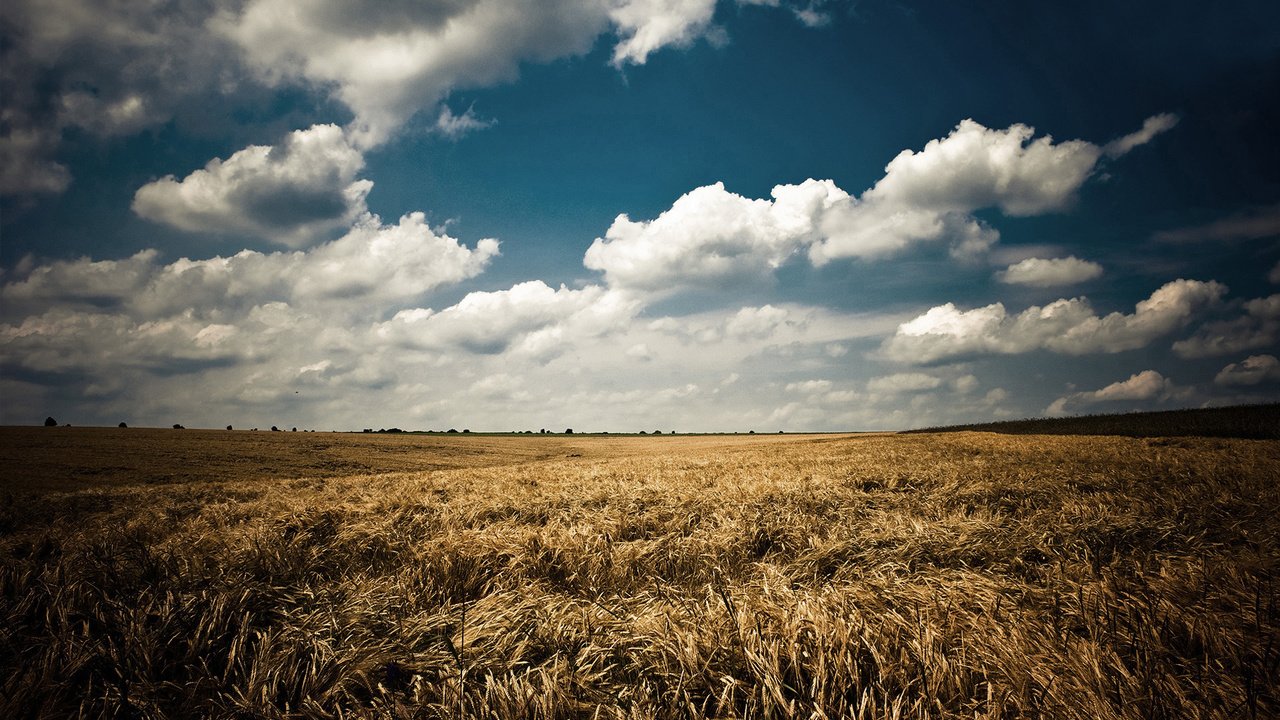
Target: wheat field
186	574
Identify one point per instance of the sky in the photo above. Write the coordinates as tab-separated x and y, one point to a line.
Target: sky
625	215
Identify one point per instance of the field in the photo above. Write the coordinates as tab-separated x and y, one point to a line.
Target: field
166	573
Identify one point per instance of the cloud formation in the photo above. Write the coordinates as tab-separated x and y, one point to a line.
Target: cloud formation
1259	327
388	61
1146	386
372	263
1064	326
1151	127
1253	370
1055	272
646	26
711	235
531	318
290	194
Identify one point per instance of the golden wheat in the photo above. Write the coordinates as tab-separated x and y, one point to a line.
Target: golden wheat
958	575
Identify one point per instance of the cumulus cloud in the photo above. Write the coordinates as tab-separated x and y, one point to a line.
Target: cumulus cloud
531	317
1145	386
1064	326
1252	225
1258	328
388	61
1253	370
931	194
371	263
290	194
978	167
116	68
759	323
711	235
1055	272
1151	127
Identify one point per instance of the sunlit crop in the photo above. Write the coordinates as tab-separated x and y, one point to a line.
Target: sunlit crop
880	576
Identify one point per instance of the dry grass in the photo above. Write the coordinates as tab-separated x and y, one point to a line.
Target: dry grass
957	575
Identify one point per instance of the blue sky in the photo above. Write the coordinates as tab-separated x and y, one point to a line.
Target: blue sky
635	214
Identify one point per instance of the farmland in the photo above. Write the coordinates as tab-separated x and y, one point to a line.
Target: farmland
165	573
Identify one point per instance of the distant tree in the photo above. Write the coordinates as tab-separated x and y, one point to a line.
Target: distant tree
568	431
465	430
50	422
294	430
454	431
657	432
643	432
178	426
275	429
228	427
751	432
123	425
368	430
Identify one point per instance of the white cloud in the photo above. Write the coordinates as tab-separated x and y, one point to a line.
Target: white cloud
1145	386
455	126
376	263
1253	370
758	323
1039	272
1258	328
898	383
645	26
930	195
531	318
1151	127
1064	326
1252	225
809	387
710	235
291	194
388	61
978	167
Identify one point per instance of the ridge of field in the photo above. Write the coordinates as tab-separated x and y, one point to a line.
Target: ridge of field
1259	422
952	575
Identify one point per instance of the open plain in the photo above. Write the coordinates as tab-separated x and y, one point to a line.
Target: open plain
168	573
